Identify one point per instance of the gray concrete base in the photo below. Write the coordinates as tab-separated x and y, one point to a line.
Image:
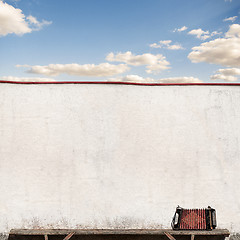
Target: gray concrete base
235	237
3	236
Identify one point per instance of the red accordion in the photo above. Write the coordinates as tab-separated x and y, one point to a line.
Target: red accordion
194	219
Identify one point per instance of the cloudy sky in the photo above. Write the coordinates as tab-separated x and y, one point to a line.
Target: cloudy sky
127	40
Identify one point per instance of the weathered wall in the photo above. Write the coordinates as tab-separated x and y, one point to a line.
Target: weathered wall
117	156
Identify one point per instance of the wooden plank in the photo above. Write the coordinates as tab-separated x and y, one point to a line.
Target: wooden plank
215	232
169	236
69	236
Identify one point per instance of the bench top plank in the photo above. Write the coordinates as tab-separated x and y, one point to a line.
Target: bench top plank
215	232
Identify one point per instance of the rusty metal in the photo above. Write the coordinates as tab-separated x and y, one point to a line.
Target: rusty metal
194	219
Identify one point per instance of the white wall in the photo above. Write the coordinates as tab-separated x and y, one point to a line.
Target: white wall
117	156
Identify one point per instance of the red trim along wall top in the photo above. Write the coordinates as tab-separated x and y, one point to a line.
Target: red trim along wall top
124	83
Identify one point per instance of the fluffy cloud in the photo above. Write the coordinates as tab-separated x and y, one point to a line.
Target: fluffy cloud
180	29
215	33
234	31
155	63
229	71
166	44
26	79
35	24
227	74
223	51
14	21
203	35
132	78
199	33
180	80
232	19
139	79
101	70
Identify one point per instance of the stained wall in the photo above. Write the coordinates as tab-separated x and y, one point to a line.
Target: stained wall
117	156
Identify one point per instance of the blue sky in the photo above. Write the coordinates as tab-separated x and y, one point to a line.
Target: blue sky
127	40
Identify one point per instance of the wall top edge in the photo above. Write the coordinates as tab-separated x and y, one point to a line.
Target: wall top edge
123	83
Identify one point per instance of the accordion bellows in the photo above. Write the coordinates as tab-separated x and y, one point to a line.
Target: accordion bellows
194	219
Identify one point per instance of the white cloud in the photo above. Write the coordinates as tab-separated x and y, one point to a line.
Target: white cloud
26	79
32	20
155	63
203	35
223	77
232	19
227	74
14	21
139	79
234	31
215	33
166	44
184	28
229	71
199	33
101	70
132	78
223	51
180	80
36	25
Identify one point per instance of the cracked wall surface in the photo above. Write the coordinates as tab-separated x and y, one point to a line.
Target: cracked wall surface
117	156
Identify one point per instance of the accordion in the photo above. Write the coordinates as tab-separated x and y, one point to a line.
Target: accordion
194	219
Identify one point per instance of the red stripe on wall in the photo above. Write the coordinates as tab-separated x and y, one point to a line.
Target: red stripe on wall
125	83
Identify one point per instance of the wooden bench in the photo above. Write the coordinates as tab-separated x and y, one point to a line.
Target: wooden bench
116	234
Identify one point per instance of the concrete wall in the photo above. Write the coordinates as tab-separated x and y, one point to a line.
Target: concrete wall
117	156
